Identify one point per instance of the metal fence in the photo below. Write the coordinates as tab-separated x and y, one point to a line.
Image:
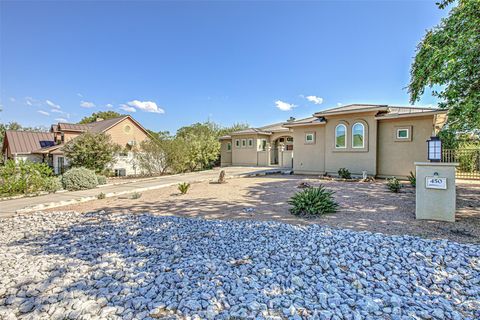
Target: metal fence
468	162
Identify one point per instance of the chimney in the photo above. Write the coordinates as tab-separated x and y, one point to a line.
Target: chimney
99	119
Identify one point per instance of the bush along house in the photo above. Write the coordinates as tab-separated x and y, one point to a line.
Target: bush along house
47	146
379	140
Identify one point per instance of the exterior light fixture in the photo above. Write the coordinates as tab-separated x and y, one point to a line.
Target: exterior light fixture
434	149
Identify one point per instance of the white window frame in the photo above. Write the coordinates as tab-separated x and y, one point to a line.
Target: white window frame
244	143
237	143
346	134
250	143
403	129
310	134
353	134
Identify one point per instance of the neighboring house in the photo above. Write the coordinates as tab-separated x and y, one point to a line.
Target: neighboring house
47	146
379	139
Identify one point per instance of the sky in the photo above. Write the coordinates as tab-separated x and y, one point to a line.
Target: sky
171	64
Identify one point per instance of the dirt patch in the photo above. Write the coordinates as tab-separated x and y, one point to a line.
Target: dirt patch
363	206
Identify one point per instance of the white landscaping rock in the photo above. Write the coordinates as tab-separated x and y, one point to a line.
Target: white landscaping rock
128	266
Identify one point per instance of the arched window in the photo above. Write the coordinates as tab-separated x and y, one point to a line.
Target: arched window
340	136
358	135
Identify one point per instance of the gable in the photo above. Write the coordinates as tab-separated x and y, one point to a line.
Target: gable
127	130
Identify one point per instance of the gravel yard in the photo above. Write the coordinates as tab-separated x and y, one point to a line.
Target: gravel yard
68	265
363	206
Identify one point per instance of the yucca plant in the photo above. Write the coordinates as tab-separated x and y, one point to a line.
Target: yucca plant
413	179
313	201
344	173
183	187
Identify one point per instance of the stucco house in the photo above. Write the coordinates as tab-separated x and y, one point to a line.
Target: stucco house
382	140
47	146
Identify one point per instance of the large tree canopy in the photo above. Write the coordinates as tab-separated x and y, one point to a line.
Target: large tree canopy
448	58
102	115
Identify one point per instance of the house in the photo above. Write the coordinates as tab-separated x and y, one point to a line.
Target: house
47	146
381	140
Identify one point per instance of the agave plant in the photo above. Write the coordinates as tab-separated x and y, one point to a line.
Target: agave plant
313	201
183	187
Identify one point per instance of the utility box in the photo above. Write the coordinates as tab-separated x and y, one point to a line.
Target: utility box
435	191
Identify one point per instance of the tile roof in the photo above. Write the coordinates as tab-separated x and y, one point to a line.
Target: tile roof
24	142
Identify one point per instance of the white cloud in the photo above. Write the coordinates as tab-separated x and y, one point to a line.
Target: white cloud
147	106
87	104
339	104
45	113
109	105
127	108
53	105
314	99
61	120
12	99
80	95
57	111
284	106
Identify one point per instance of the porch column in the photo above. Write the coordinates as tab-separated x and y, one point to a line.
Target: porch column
269	155
281	148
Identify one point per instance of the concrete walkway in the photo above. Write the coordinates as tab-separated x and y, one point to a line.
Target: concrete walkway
22	205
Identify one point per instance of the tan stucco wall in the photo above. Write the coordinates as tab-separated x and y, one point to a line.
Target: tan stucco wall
355	160
244	156
309	158
121	137
396	158
67	136
225	155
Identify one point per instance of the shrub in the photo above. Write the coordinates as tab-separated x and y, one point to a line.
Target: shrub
101	180
313	201
183	187
79	179
101	196
52	184
344	173
136	195
394	185
412	179
23	177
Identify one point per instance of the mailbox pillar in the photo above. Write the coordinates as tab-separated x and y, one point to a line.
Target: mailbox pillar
435	191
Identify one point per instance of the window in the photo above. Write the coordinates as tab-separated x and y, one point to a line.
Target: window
358	135
250	143
229	146
403	133
237	143
127	129
263	145
244	143
340	136
309	137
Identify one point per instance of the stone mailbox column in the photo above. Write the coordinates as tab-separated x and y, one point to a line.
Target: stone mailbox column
435	191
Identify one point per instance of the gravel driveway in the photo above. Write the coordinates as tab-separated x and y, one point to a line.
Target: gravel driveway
135	266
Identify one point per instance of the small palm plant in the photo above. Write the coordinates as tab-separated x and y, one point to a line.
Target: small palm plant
183	187
413	179
313	201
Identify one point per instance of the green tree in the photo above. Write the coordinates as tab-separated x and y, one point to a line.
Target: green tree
102	115
93	151
200	142
448	58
